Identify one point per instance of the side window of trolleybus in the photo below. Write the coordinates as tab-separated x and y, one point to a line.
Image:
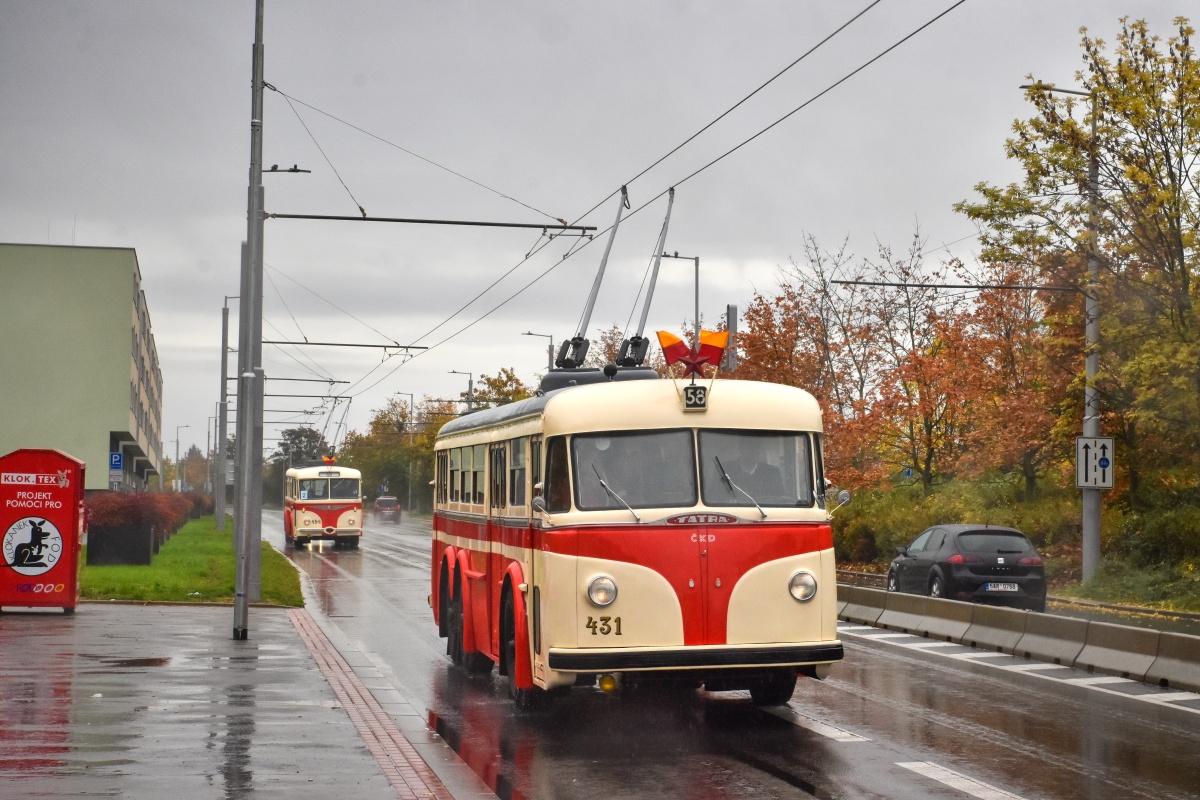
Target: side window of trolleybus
516	471
480	455
741	468
639	469
557	481
464	477
455	471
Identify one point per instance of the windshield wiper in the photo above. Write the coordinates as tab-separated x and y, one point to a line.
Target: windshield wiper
734	486
613	493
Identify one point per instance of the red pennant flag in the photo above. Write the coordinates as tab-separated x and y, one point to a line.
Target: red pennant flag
674	348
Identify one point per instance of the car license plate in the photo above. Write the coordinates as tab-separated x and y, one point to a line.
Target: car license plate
1000	587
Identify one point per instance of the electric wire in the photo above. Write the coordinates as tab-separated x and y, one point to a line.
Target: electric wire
572	250
412	153
286	308
332	304
678	183
315	369
320	149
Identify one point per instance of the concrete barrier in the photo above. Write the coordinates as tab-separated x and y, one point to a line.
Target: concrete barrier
1119	650
1177	662
904	612
1051	638
947	619
862	605
996	628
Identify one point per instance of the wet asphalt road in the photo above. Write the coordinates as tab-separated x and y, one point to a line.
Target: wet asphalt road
899	718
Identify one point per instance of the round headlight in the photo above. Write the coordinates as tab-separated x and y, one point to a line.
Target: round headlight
602	591
803	586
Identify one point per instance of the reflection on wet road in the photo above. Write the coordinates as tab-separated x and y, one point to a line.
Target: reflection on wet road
891	721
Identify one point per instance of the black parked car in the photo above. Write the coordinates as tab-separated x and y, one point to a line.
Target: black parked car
980	563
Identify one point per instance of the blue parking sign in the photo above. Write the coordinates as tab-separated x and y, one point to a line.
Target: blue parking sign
116	461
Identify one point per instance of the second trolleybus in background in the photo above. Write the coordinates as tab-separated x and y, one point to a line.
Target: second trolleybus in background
604	533
322	502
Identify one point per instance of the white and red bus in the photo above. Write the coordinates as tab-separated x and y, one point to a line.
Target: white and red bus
322	502
601	533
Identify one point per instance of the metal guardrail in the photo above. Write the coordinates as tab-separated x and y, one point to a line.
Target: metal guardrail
1139	653
878	580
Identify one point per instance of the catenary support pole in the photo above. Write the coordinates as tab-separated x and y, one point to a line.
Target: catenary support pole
222	422
250	384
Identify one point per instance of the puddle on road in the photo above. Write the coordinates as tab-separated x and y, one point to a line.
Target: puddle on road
484	762
110	661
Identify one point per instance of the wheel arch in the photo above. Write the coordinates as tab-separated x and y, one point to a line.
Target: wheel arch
522	674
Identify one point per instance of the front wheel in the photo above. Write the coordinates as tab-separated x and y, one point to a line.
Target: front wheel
523	699
775	690
893	583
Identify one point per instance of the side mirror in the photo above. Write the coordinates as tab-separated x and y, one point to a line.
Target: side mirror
843	497
902	551
539	504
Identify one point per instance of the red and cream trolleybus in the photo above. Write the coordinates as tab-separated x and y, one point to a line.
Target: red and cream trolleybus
604	533
322	502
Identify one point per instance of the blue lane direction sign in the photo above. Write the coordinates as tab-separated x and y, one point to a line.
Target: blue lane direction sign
1095	462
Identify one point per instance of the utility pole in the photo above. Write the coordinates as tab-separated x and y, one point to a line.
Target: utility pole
248	507
696	292
470	387
1091	398
1090	495
222	418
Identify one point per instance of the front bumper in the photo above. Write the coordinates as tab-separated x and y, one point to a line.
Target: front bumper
705	657
327	533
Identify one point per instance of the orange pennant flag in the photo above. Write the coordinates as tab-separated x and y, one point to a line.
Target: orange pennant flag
712	346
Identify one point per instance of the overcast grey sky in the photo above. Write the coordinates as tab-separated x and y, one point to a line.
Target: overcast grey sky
127	124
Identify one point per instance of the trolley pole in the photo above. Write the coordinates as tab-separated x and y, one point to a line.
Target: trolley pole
248	508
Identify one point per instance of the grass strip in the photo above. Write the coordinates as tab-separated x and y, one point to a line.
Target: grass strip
197	564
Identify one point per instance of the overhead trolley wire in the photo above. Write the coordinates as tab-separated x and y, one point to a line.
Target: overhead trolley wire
289	98
583	243
676	184
332	304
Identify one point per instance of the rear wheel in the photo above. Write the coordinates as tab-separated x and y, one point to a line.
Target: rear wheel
523	699
774	690
937	587
454	623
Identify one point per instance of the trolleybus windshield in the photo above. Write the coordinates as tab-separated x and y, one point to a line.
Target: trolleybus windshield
641	469
324	488
773	468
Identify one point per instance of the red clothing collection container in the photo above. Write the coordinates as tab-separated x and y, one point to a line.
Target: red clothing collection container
41	525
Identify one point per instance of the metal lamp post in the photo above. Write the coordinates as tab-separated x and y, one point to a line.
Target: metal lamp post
549	349
178	469
409	482
470	387
696	296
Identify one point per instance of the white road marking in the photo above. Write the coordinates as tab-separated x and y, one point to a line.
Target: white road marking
802	720
855	628
1036	668
956	780
1169	697
1032	666
1097	681
892	636
930	645
981	654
